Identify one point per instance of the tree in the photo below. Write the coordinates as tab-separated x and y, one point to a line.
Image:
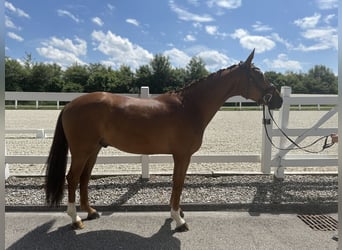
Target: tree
161	73
143	76
196	69
75	78
178	79
275	78
291	79
99	78
124	80
321	80
295	81
72	87
44	77
15	75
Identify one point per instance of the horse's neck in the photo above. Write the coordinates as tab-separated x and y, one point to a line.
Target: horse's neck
206	97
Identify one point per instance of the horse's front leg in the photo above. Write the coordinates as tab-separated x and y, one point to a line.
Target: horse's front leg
181	164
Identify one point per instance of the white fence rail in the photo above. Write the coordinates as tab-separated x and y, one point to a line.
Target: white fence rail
280	160
67	97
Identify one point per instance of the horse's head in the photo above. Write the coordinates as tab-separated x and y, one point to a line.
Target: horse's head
257	87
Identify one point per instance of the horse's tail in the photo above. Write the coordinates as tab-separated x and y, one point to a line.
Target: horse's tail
56	166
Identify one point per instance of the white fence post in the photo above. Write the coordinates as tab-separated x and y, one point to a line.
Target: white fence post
266	147
284	114
40	134
145	168
7	172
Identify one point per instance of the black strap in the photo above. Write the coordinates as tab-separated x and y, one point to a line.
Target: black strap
304	148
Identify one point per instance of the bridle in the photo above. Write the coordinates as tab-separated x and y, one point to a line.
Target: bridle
267	93
266	97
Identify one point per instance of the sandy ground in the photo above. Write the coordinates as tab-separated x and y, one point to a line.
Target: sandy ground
230	132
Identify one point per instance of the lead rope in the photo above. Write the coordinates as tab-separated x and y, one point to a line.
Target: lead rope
298	147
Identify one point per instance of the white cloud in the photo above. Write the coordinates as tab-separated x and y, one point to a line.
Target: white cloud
19	12
15	36
177	57
61	57
260	43
68	14
319	37
239	33
64	52
197	25
78	47
97	21
279	39
211	30
328	18
260	27
9	24
327	4
324	38
110	6
132	21
282	62
189	38
188	16
120	50
226	4
215	60
308	22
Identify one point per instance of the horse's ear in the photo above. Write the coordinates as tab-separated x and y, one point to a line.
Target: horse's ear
248	62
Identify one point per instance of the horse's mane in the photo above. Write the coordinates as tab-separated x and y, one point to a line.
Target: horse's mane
193	83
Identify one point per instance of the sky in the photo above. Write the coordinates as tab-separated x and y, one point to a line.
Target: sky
288	36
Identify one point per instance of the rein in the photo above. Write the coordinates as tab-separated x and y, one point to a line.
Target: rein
298	147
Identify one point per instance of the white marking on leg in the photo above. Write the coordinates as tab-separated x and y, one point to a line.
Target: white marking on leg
71	211
176	216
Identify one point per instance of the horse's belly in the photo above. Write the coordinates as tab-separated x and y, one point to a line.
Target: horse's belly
141	144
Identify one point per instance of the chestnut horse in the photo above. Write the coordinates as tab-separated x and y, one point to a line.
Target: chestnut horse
171	123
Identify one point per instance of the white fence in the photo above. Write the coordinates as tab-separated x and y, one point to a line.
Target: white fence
58	97
280	160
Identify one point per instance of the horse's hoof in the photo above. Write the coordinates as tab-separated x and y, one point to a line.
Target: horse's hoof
182	228
93	216
77	225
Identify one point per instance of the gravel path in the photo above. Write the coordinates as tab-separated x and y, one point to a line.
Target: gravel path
310	192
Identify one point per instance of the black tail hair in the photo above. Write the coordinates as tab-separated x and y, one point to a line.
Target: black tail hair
56	166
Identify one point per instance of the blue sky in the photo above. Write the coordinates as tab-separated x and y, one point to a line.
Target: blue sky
288	35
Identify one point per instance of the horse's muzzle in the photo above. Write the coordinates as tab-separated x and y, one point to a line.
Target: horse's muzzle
272	98
275	101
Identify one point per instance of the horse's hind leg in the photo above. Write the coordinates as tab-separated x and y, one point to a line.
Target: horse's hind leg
84	181
180	167
73	178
